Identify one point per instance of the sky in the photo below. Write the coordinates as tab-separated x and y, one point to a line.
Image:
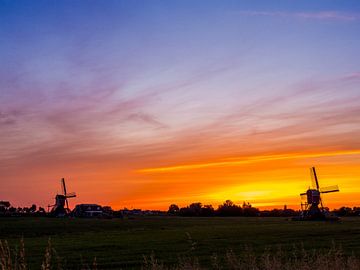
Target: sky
141	104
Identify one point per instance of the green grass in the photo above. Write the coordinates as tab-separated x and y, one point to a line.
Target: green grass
120	243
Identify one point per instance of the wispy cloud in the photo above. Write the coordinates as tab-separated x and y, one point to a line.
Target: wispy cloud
321	15
352	76
8	117
146	118
247	160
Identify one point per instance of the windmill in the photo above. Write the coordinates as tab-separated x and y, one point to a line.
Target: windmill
313	207
61	206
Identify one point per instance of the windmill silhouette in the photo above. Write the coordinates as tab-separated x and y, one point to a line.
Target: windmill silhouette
61	206
313	207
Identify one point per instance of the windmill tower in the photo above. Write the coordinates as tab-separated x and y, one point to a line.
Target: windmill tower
61	206
313	207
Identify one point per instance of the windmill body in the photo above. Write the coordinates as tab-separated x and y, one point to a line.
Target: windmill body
313	208
61	206
313	196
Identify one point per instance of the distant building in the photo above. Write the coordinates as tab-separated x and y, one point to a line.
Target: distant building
139	212
5	204
89	210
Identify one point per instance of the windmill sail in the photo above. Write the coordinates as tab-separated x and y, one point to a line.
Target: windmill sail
71	195
64	192
63	186
329	189
314	180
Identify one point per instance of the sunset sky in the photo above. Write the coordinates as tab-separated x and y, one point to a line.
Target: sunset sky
141	104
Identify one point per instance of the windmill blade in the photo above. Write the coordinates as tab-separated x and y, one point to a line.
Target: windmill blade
329	189
71	195
314	179
63	186
67	203
313	182
303	196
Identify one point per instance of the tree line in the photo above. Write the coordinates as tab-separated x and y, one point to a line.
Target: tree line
227	209
230	209
197	209
7	209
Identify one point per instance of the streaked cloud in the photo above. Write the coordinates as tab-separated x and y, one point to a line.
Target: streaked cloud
320	15
237	161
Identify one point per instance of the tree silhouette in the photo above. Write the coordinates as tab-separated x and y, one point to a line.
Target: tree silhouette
173	209
228	208
33	208
207	211
195	208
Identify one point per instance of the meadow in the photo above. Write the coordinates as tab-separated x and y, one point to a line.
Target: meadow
128	243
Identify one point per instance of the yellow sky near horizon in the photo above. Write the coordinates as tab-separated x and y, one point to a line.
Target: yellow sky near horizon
265	181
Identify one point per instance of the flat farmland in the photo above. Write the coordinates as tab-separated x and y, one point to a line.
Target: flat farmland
123	243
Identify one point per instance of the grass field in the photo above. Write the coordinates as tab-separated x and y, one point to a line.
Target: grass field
122	243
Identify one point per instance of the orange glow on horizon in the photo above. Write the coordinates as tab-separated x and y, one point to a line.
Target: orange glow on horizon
266	181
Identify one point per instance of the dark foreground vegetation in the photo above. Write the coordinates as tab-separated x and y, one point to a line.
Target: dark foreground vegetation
297	258
182	243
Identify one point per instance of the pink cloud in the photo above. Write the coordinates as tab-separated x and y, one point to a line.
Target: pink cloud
352	76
